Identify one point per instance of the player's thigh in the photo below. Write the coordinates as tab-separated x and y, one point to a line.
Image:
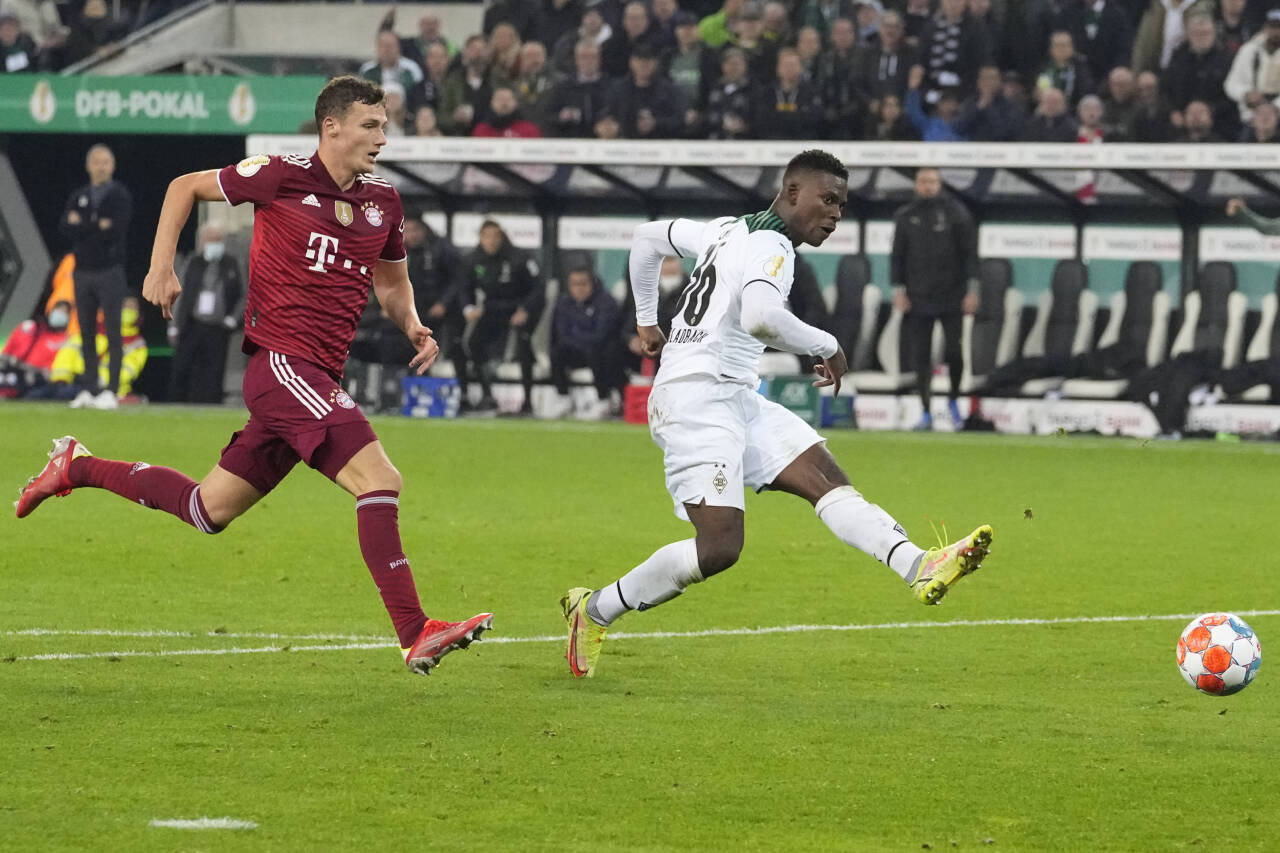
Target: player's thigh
369	470
813	474
778	440
227	496
701	430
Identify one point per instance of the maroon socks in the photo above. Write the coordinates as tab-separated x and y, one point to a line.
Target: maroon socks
152	486
378	520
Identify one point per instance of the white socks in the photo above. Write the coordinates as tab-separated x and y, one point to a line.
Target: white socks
660	578
868	528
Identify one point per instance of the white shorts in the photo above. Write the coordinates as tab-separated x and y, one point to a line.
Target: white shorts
718	437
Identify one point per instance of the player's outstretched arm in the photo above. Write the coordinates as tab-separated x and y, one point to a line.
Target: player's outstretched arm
161	286
765	317
395	294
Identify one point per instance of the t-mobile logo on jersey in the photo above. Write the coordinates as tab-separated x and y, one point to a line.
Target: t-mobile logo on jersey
321	254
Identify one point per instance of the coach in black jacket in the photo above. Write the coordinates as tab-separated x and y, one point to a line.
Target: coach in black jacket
96	222
934	270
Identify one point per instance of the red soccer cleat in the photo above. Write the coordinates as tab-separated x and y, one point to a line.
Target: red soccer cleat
55	479
439	638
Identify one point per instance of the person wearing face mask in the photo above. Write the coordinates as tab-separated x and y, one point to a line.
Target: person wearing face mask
29	352
671	281
208	311
67	371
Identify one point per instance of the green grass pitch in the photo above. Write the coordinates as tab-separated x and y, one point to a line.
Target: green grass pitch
955	727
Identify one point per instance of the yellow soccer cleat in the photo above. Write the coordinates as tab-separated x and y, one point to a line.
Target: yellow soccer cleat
941	568
586	638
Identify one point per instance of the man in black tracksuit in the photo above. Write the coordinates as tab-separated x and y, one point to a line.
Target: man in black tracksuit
505	295
96	222
934	270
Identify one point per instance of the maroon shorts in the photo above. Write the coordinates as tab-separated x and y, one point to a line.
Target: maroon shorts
296	412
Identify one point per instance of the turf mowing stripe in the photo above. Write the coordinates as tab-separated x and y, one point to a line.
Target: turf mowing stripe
204	823
620	635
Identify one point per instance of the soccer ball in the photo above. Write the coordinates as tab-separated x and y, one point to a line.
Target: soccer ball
1219	654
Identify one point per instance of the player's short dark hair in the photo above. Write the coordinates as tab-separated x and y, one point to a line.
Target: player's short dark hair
816	160
340	93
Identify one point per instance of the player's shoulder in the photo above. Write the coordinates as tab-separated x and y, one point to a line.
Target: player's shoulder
377	187
768	241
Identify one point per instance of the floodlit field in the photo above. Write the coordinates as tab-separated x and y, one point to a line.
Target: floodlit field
801	701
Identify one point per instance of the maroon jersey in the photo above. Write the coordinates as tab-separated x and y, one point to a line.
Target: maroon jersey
313	252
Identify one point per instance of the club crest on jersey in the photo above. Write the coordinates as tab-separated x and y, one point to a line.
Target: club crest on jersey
249	166
772	266
372	214
341	398
342	210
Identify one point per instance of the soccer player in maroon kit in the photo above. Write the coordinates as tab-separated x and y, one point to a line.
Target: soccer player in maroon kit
324	229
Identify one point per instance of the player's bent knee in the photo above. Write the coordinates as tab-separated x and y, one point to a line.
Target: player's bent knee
717	557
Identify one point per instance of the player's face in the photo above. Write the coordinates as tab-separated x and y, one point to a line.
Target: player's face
358	136
820	200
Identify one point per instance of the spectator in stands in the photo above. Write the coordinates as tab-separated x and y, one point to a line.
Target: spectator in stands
1014	89
777	26
717	29
1050	122
94	30
1066	70
988	116
1151	118
1263	127
1198	124
1161	30
733	105
391	68
40	20
748	36
822	14
796	109
534	81
1119	104
17	49
520	14
915	20
505	296
1090	114
1234	29
1100	29
424	123
593	29
467	90
575	104
952	49
29	351
434	74
415	47
615	55
645	104
504	55
584	333
1255	73
841	92
868	15
96	222
504	118
1197	71
934	271
662	31
883	68
941	126
809	46
891	123
556	19
693	67
208	311
397	116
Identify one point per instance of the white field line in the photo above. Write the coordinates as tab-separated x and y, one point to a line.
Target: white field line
364	643
204	823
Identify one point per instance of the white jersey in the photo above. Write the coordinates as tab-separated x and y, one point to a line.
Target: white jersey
706	333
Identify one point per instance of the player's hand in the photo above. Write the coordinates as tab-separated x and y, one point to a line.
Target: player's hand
900	300
971	302
425	344
651	340
831	371
161	288
1234	206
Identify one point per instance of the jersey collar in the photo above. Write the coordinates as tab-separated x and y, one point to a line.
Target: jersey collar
766	220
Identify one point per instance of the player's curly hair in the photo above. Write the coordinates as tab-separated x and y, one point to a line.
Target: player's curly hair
816	160
340	93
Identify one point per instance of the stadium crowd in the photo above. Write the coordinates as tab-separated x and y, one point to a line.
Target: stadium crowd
980	70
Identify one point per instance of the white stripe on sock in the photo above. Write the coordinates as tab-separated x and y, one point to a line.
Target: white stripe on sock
198	518
382	499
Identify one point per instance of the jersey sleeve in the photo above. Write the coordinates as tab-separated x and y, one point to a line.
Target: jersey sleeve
393	250
256	179
770	259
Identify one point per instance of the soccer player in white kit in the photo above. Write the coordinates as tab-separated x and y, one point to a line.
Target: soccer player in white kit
717	434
